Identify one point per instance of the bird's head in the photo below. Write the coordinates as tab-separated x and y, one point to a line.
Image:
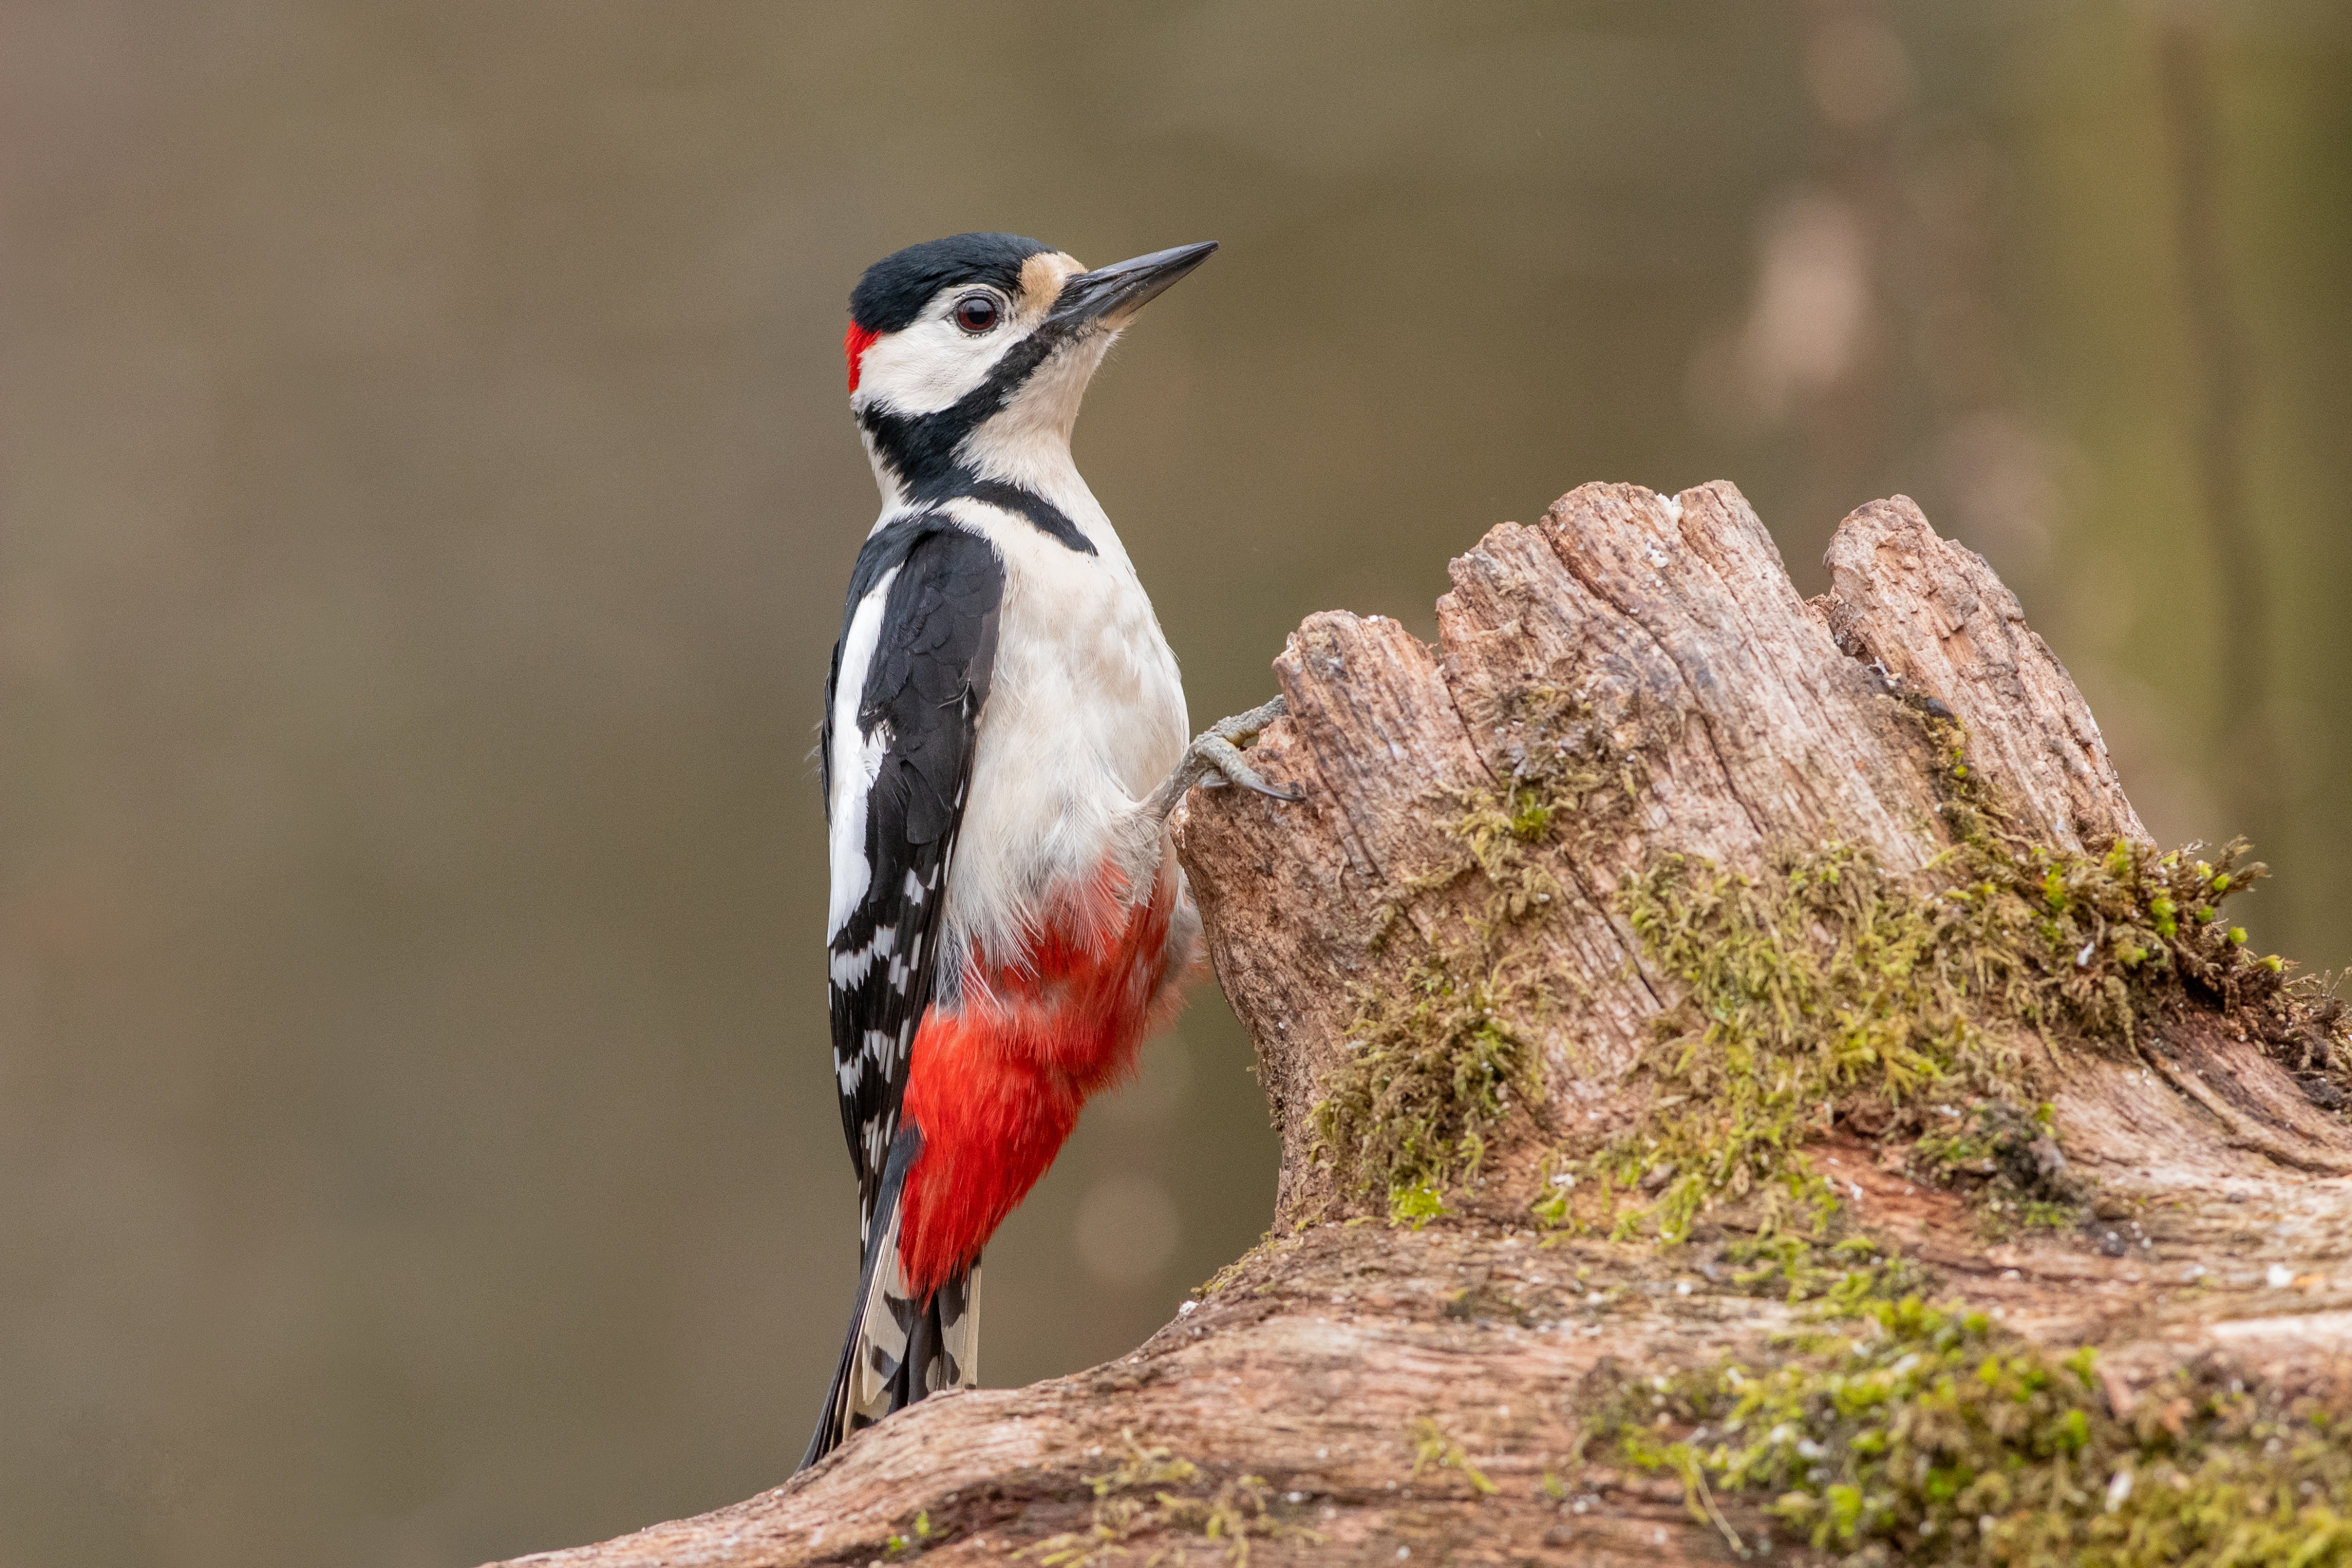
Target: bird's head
968	355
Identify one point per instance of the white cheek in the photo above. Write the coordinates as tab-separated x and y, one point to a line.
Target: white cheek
930	365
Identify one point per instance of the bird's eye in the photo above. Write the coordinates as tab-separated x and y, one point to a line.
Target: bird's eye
976	312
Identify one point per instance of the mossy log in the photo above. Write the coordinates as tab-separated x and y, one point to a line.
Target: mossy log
1748	1086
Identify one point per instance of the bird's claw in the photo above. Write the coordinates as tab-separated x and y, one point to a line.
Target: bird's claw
1215	759
1221	764
1217	751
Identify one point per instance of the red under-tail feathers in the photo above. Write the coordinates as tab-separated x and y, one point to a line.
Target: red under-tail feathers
996	1085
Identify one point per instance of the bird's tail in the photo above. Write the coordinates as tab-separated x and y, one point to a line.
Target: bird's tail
898	1348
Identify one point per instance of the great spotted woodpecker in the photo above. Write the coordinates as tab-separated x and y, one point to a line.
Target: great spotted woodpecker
1004	740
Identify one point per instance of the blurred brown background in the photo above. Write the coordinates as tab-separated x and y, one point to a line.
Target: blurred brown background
425	494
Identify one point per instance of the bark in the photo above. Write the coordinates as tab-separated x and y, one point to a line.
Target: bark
1354	1391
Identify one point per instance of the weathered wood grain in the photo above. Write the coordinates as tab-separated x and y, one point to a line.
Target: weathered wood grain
1931	613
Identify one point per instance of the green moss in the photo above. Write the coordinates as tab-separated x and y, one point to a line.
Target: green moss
2094	937
1841	1278
2042	1214
1572	774
1154	1491
2094	942
1823	981
1823	986
1414	1206
1828	983
1941	1439
1927	1009
911	1542
1476	1302
1436	1062
1226	1276
1431	1071
1433	1449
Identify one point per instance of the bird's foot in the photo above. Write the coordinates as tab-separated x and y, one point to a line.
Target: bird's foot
1215	759
1219	749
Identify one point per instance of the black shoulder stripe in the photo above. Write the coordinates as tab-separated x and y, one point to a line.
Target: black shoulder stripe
1050	520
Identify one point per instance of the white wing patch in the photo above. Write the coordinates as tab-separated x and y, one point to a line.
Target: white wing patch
856	757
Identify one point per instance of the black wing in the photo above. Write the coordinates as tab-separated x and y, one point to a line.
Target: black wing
926	682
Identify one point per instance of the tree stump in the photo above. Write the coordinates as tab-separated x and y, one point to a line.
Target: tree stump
1748	1086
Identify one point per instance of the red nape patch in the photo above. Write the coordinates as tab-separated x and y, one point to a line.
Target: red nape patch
996	1086
854	344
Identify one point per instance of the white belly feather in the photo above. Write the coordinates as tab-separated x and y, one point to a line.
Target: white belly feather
1085	717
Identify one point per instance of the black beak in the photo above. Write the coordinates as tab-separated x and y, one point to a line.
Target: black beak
1119	290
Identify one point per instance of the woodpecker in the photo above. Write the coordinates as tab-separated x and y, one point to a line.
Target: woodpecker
1004	736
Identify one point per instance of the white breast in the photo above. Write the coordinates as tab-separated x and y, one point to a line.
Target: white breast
1085	717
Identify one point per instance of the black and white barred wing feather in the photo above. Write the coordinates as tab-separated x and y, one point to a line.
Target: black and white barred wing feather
911	676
